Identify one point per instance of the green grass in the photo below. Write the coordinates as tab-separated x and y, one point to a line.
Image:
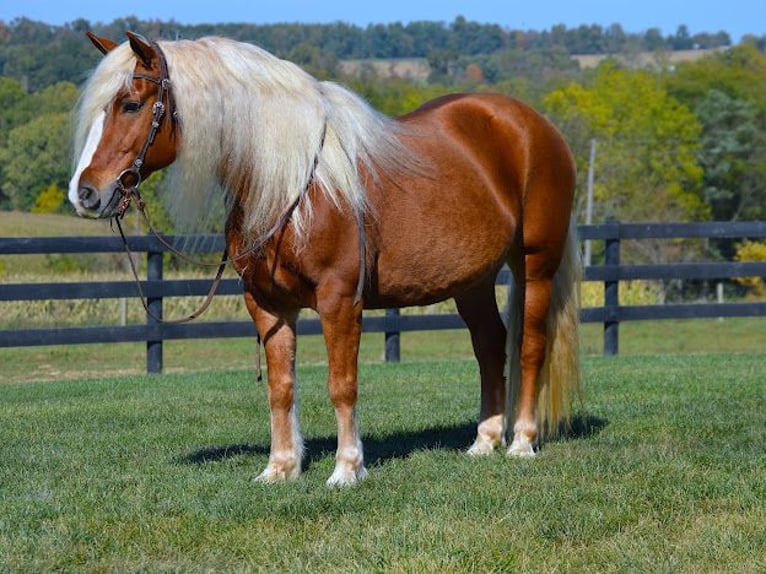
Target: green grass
22	224
694	336
664	471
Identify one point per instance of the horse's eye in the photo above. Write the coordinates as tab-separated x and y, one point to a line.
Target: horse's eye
131	107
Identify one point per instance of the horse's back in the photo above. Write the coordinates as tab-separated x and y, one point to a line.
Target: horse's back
499	131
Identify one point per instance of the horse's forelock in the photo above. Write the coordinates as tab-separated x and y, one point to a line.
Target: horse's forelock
112	73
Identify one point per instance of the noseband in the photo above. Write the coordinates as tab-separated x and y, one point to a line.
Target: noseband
130	179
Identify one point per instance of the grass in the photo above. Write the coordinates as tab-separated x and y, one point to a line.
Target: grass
23	224
72	362
664	471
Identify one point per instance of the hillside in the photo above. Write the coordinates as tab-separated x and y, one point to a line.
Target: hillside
22	224
418	69
642	60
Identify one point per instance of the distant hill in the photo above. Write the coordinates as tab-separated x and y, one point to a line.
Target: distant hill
646	59
413	69
418	69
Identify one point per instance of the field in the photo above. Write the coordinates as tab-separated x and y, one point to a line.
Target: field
639	338
663	471
103	468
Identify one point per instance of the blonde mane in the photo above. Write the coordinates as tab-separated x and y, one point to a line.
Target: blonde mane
256	129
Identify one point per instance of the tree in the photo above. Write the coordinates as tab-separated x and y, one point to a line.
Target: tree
647	142
682	40
646	167
11	95
34	157
730	156
653	40
739	72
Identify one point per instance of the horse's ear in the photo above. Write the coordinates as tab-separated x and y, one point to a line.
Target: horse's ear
142	48
104	45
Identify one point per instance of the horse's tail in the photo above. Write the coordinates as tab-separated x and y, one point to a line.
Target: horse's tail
560	376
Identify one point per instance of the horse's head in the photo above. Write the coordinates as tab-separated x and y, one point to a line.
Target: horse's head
134	135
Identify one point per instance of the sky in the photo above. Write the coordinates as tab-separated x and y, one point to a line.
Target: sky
737	17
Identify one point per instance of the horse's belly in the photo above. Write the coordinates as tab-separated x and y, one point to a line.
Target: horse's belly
421	267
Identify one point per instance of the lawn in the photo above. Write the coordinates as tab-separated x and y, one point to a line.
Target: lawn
663	471
73	362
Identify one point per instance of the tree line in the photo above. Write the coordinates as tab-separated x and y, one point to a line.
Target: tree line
39	54
681	142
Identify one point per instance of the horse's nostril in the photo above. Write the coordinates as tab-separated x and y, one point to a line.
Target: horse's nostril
89	197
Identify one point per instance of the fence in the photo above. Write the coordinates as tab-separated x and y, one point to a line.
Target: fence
153	332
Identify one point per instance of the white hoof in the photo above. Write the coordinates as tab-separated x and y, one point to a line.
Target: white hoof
481	447
344	475
489	436
522	447
278	473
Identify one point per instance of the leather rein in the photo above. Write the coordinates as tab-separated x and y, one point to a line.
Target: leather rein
129	181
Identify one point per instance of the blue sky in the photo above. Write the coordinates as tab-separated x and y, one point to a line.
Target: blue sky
737	17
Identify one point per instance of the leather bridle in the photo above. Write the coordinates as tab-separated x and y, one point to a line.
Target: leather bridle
130	179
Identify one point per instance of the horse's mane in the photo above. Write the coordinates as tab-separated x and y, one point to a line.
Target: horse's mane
258	127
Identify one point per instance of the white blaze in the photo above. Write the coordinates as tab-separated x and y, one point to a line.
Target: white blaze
91	144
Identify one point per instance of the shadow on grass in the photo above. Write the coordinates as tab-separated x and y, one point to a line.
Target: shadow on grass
399	445
581	427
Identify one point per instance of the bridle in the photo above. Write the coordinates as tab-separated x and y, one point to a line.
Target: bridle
130	179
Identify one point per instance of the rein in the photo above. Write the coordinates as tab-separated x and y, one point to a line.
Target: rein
130	179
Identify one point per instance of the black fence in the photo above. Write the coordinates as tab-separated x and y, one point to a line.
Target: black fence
156	289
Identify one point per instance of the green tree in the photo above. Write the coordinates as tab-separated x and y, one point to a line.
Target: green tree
646	166
739	72
60	97
34	157
11	96
732	146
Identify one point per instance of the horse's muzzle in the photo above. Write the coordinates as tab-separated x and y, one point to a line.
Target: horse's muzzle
89	197
97	204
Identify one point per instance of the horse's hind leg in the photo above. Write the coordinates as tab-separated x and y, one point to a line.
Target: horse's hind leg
478	309
536	289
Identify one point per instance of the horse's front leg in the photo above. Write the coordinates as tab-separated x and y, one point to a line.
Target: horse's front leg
342	328
279	340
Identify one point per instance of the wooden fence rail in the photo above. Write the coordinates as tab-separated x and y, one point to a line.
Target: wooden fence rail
156	289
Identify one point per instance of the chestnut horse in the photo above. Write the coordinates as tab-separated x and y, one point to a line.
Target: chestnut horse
335	207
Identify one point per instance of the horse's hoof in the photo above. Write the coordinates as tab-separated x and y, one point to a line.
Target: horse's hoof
273	475
344	476
481	447
489	436
521	447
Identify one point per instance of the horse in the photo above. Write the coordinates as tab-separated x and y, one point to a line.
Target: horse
333	206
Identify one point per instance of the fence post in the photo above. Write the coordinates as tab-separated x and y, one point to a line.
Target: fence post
612	298
393	339
154	346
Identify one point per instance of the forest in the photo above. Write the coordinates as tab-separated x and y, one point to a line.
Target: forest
665	141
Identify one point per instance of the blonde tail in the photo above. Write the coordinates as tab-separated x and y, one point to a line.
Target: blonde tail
560	377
